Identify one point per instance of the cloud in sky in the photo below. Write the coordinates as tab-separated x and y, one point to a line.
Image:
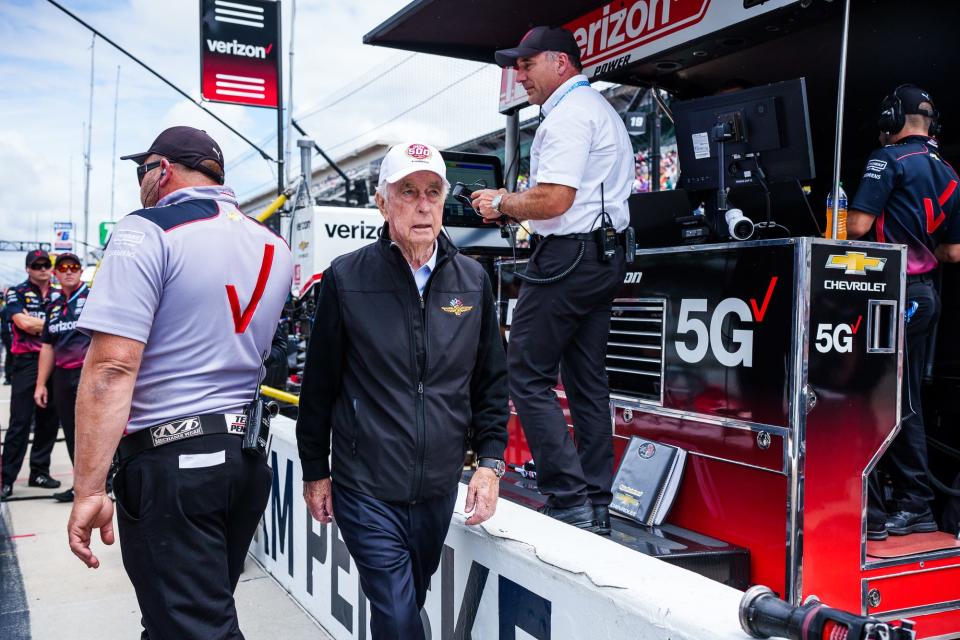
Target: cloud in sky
45	56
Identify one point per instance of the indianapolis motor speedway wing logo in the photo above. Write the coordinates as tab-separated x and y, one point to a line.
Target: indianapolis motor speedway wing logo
457	307
176	430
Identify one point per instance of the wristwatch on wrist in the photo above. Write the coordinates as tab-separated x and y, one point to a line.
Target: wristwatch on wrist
499	466
495	203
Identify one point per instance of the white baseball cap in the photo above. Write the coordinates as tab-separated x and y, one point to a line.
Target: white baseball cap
410	157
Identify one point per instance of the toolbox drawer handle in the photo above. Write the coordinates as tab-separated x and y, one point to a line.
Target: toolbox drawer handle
882	323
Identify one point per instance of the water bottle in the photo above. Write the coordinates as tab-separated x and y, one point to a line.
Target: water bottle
841	216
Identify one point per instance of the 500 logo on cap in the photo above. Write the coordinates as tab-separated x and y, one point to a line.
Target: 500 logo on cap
419	152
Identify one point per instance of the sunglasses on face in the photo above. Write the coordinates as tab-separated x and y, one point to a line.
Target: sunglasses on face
64	268
144	169
38	266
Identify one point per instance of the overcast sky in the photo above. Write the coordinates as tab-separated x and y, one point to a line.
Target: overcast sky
45	60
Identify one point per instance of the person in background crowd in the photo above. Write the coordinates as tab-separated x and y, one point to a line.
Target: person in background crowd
64	348
27	305
6	336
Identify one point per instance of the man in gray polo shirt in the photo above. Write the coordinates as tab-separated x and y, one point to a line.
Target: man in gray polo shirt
181	314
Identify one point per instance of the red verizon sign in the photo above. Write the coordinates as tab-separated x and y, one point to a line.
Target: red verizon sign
620	27
617	34
240	51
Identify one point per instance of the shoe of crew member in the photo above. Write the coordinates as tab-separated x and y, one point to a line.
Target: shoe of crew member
876	531
601	519
580	516
64	496
6	491
903	522
44	481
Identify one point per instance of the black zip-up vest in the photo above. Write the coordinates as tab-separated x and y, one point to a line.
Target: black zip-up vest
403	411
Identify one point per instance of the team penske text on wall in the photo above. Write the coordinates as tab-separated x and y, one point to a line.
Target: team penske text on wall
240	51
620	33
492	587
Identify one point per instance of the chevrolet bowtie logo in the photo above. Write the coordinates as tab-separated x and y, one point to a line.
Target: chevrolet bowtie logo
856	262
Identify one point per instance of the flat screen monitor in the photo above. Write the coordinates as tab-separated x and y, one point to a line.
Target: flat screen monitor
477	171
653	216
770	127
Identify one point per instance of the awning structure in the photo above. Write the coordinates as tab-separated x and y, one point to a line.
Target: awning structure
891	42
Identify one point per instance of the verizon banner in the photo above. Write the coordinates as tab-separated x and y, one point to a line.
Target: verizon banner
240	51
620	33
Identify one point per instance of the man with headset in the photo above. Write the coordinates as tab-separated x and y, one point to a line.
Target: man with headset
582	171
908	195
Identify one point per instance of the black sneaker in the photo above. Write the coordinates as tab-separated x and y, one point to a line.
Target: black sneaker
876	531
903	522
64	496
601	519
44	481
6	491
580	517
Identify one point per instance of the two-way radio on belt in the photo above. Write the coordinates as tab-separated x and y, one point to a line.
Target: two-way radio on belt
258	415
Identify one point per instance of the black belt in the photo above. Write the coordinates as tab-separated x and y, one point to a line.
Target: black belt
584	237
921	277
181	429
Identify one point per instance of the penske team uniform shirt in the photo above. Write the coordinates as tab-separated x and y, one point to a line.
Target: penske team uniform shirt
27	298
913	193
581	143
203	287
60	330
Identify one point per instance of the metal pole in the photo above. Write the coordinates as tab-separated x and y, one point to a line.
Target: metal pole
655	142
286	154
183	93
281	168
306	169
511	150
86	179
841	94
113	156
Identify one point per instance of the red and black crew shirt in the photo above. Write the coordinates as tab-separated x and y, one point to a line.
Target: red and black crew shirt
27	298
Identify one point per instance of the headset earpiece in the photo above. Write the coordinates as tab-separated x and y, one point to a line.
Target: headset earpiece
892	118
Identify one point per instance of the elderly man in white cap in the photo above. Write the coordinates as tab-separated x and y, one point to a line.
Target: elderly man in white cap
405	367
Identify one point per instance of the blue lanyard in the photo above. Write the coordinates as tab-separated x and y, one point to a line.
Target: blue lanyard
576	85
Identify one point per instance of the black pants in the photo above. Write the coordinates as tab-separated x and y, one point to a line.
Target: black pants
23	412
65	383
7	362
563	328
186	520
906	459
397	548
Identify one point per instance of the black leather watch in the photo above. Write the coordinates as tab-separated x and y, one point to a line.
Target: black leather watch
499	466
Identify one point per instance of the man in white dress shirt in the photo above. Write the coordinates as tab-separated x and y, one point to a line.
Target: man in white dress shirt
582	169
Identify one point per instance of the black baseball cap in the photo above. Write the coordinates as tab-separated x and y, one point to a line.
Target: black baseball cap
186	146
68	257
37	255
538	40
911	96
